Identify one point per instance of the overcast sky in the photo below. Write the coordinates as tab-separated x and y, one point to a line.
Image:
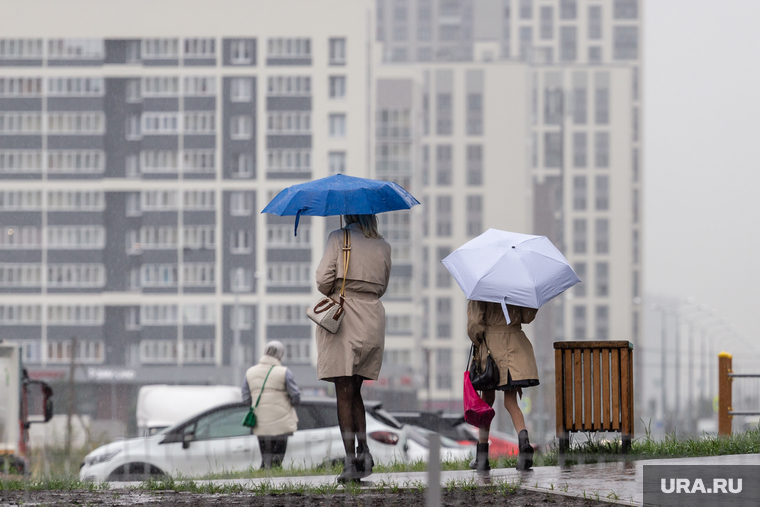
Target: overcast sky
702	159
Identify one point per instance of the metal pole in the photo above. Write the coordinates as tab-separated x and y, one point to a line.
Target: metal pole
664	391
236	359
678	369
434	471
704	387
724	393
690	413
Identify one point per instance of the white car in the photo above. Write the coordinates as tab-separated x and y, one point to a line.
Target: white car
215	441
419	446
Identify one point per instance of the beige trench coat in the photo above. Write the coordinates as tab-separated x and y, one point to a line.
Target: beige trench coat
509	346
357	348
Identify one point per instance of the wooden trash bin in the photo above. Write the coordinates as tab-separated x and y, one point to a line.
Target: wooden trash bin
594	388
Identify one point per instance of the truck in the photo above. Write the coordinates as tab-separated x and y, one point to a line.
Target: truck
23	402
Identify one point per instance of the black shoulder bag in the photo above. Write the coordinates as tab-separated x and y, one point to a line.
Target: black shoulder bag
485	378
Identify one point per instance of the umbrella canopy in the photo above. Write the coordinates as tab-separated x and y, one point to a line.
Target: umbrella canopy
340	195
508	267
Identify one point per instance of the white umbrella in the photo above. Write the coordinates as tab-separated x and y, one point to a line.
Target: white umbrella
508	267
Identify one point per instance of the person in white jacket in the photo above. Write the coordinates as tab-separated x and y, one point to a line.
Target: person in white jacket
276	417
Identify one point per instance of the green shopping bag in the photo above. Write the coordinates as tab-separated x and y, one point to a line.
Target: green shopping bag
250	417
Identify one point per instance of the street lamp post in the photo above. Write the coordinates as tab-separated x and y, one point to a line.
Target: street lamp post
664	312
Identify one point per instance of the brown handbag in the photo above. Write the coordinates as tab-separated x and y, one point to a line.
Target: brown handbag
329	313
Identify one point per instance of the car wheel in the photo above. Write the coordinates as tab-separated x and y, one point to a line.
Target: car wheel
136	472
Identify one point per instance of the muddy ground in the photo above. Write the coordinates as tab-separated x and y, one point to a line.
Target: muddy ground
115	497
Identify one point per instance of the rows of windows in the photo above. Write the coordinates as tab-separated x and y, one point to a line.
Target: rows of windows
289	160
288	122
601	329
287	314
13	49
20	123
281	235
76	86
165	351
71	49
76	123
20	86
601	283
75	315
58	275
289	85
13	315
601	233
601	193
84	352
16	161
198	274
289	48
74	200
76	236
289	274
199	199
76	161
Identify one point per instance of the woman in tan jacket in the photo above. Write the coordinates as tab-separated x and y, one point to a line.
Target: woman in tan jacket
355	352
488	329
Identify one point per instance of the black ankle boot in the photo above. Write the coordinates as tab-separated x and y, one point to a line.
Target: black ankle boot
481	456
364	461
349	473
525	458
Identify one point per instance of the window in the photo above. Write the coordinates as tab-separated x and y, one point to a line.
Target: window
197	237
579	236
602	236
580	269
241	242
13	315
602	98
567	9
443	317
289	86
199	199
602	322
201	352
526	42
76	49
242	317
133	51
292	122
281	235
546	24
20	87
602	149
442	275
158	162
241	165
160	49
635	124
158	238
285	160
197	274
393	124
337	125
552	149
635	164
76	275
200	122
22	238
595	54
160	123
579	193
526	9
297	351
199	161
626	42
200	48
602	279
636	247
474	215
200	86
338	51
160	86
337	162
444	165
76	201
85	351
241	280
11	200
158	351
74	161
602	193
474	164
75	315
626	9
17	49
76	123
635	204
241	203
399	287
595	22
133	130
580	156
443	379
579	323
241	52
76	236
20	275
75	86
242	127
444	216
425	169
158	200
289	274
568	43
475	114
444	119
12	161
158	275
281	48
20	123
337	87
241	89
580	105
159	315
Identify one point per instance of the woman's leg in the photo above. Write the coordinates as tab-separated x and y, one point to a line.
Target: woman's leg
345	393
489	397
510	403
279	446
358	414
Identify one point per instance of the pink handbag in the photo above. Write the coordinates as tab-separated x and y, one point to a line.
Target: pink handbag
476	411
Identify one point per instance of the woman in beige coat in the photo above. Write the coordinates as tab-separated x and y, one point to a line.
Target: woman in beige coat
355	352
488	329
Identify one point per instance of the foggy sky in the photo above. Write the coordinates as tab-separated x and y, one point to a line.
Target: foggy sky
702	159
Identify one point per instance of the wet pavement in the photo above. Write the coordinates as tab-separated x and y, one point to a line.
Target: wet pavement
617	482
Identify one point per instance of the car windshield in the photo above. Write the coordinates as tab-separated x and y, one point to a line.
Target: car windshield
421	436
385	417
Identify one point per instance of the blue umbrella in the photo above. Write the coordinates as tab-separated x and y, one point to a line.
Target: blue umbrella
340	195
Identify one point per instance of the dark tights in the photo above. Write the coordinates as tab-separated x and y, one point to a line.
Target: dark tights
351	419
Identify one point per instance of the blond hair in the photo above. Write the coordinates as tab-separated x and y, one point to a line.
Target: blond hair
367	223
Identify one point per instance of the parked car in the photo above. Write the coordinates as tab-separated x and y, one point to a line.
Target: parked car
448	425
215	441
419	446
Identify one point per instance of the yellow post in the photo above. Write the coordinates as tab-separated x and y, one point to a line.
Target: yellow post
724	394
